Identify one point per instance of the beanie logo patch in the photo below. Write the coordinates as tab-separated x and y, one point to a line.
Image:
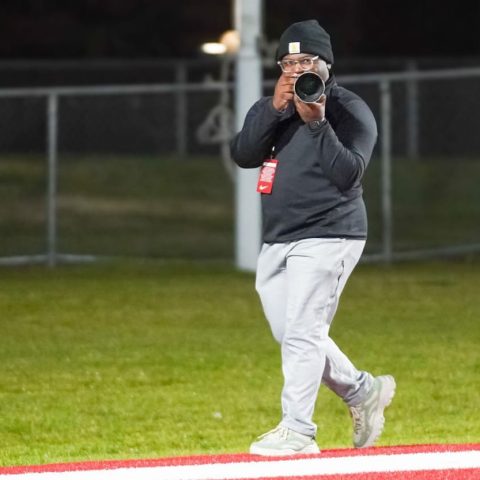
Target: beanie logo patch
294	47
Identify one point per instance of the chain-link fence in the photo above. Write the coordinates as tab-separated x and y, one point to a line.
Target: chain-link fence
421	192
135	171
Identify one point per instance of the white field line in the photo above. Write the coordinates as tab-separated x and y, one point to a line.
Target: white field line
284	468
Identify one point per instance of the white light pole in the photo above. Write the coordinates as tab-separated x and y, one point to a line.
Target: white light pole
248	89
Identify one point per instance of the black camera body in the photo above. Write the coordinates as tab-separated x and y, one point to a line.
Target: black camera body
309	87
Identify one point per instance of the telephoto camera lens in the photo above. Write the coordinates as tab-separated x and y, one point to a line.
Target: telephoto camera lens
309	87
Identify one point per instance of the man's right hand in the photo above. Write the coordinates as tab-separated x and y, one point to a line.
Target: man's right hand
284	91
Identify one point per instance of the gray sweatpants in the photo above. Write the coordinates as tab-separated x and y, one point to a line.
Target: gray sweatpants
299	284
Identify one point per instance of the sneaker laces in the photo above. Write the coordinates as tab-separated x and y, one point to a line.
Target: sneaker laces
358	419
279	431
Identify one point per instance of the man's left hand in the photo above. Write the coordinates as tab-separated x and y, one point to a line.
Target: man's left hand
311	111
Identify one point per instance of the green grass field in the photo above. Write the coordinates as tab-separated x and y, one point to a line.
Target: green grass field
149	359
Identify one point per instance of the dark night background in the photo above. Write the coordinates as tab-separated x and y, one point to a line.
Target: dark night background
139	29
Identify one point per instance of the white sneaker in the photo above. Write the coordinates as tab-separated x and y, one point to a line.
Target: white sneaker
368	419
282	441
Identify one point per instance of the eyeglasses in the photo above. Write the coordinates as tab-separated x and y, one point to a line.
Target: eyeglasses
305	63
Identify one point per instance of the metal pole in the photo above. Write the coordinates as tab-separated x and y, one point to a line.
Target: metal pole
226	118
412	113
386	176
52	141
181	106
248	89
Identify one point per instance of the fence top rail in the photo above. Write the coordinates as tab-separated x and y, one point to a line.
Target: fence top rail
110	89
217	85
442	74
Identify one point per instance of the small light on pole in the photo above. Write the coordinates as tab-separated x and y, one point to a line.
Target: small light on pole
228	43
214	48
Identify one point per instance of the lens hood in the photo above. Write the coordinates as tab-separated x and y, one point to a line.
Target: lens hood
309	87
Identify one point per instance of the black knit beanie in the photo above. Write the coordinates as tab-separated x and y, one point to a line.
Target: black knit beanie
306	37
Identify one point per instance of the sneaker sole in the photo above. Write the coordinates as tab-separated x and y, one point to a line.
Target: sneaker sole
269	452
386	396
